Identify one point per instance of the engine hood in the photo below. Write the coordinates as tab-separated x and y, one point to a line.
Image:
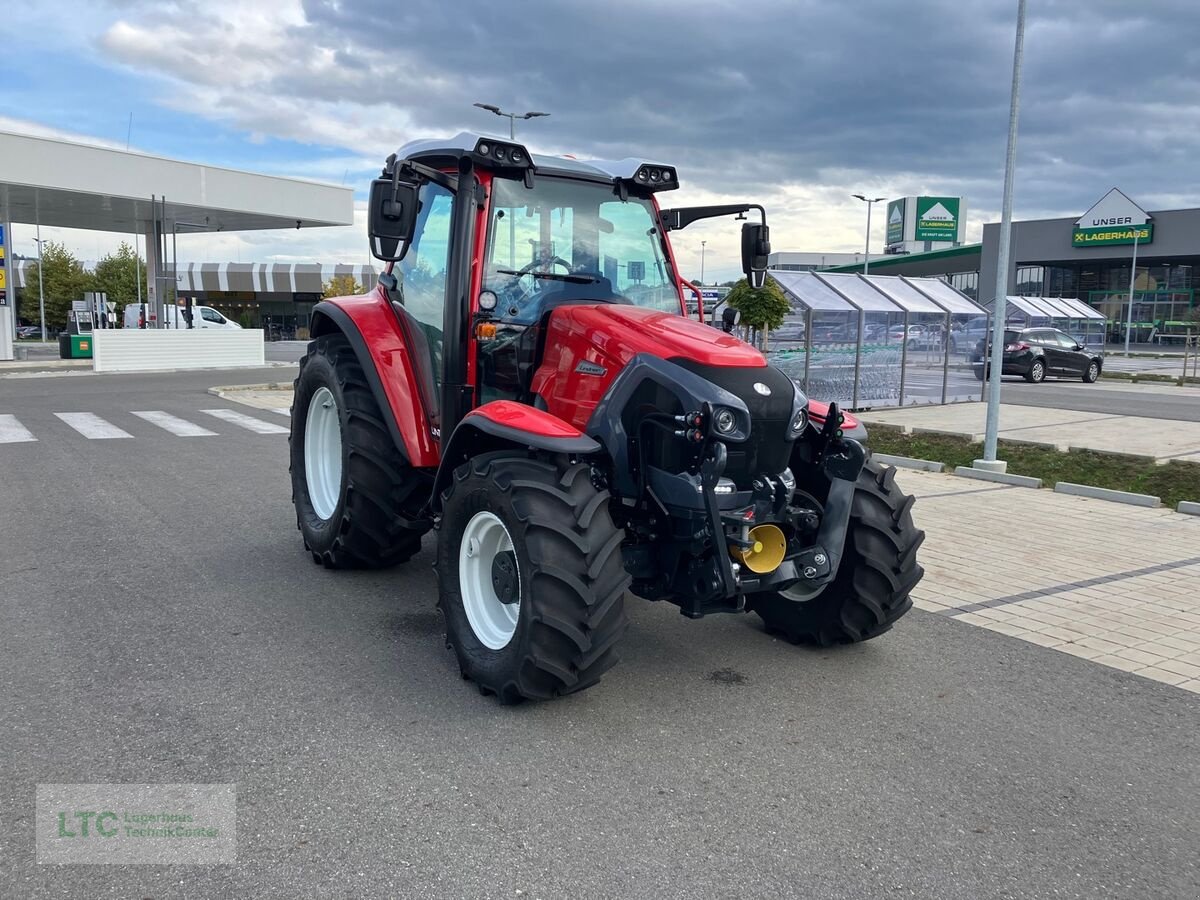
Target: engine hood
620	332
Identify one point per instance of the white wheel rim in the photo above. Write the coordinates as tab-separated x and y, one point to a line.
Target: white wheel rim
323	453
799	594
493	622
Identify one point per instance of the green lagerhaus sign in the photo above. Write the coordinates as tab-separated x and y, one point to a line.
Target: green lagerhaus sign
937	219
895	222
1115	219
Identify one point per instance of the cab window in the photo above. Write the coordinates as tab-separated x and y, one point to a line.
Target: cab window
422	272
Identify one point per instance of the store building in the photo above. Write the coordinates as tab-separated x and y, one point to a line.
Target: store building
1089	257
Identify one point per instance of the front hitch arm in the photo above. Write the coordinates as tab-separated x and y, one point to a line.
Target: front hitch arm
842	460
711	469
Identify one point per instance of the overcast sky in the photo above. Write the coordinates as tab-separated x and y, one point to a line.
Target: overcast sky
791	103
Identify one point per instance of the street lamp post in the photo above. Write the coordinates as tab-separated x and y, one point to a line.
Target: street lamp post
41	282
512	117
867	253
1132	279
993	364
703	244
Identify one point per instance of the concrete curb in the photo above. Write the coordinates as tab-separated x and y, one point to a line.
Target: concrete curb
1095	493
230	388
970	436
908	462
998	477
1188	508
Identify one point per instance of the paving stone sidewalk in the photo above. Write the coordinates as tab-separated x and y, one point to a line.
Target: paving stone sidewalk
1155	438
1116	584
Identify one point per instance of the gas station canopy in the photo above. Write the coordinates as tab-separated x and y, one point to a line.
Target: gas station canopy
56	182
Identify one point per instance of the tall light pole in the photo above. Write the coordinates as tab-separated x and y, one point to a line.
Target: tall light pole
995	358
703	244
1137	230
867	252
512	117
41	282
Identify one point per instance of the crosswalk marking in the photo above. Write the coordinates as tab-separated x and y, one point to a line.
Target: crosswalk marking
13	432
281	411
92	427
173	424
248	422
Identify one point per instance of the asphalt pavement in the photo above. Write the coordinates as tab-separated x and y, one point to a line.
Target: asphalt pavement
161	623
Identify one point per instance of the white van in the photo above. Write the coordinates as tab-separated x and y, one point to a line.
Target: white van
174	317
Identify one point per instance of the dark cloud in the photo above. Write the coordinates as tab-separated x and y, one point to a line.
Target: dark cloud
753	97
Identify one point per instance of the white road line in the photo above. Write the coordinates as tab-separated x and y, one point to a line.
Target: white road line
248	422
173	424
92	427
13	432
282	412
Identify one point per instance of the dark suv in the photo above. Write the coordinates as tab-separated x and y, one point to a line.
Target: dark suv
1035	353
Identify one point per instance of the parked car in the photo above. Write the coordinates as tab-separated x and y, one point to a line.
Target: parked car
29	331
202	317
918	337
968	335
1034	353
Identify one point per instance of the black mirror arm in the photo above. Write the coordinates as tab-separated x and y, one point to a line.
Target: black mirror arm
678	219
394	170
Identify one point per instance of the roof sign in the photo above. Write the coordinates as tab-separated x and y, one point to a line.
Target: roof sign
937	218
1114	219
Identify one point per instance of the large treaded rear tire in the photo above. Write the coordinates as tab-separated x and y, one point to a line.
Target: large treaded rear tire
877	573
380	493
571	576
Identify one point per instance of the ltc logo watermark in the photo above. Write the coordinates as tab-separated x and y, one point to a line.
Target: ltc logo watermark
156	824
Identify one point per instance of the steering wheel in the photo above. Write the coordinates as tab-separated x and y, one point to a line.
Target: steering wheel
554	260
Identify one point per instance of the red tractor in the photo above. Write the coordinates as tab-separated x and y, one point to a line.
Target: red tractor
525	382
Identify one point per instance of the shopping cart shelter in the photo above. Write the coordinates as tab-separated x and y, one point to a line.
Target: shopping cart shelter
1068	314
878	340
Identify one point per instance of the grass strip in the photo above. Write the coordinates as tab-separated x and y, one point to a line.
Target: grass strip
1177	480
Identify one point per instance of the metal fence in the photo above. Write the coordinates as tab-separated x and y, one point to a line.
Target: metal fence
877	340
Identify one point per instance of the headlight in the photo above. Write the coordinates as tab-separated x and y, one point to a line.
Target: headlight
487	300
800	422
724	420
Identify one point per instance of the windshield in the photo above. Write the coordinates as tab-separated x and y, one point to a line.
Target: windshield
568	240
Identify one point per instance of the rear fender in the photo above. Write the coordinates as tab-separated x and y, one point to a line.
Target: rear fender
387	361
505	425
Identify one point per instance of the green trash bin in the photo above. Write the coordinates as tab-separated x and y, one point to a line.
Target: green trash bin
75	346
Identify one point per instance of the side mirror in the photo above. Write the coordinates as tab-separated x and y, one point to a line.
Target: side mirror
730	318
391	217
756	247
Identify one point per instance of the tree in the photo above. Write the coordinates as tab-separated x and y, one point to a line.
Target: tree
762	308
117	276
65	281
341	286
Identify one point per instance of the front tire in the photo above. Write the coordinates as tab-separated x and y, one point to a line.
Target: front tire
357	500
877	573
1092	373
530	576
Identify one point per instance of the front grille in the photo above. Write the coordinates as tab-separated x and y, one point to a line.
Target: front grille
767	450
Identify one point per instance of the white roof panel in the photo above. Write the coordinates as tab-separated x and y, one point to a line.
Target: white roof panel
949	298
859	292
807	291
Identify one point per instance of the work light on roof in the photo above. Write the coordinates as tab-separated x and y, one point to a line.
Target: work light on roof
655	177
502	154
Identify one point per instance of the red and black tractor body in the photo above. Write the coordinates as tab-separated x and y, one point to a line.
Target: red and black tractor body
532	315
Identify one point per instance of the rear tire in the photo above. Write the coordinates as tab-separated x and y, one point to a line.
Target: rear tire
570	578
1037	372
1092	372
877	573
356	505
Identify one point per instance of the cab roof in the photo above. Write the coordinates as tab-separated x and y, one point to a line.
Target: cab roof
462	144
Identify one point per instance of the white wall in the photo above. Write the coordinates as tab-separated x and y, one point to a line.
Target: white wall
139	350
